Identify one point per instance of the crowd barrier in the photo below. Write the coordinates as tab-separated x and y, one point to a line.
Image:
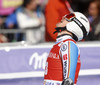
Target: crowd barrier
34	34
24	65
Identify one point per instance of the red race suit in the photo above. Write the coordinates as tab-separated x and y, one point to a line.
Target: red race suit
62	62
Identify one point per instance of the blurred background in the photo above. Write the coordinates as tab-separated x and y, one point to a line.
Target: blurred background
26	37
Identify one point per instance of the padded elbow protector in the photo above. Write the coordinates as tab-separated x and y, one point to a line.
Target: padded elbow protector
67	81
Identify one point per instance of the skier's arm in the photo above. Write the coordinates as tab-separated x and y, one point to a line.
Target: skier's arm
69	55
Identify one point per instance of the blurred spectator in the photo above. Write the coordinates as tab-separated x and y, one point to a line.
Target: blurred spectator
43	4
11	23
31	17
94	18
1	22
2	37
80	5
54	11
27	17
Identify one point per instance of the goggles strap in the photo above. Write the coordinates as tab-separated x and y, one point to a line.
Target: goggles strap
81	26
59	29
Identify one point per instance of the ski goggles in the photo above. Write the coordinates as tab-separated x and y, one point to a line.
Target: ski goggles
69	17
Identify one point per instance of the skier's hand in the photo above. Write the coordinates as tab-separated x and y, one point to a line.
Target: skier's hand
67	81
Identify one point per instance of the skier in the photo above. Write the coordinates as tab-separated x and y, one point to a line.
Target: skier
63	62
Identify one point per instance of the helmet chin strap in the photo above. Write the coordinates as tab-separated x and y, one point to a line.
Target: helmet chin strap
59	29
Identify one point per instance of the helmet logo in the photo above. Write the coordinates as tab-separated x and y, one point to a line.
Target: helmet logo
74	19
84	19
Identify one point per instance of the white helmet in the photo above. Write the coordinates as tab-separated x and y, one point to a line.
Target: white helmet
79	26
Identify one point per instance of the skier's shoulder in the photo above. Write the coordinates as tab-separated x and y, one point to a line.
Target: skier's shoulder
69	43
